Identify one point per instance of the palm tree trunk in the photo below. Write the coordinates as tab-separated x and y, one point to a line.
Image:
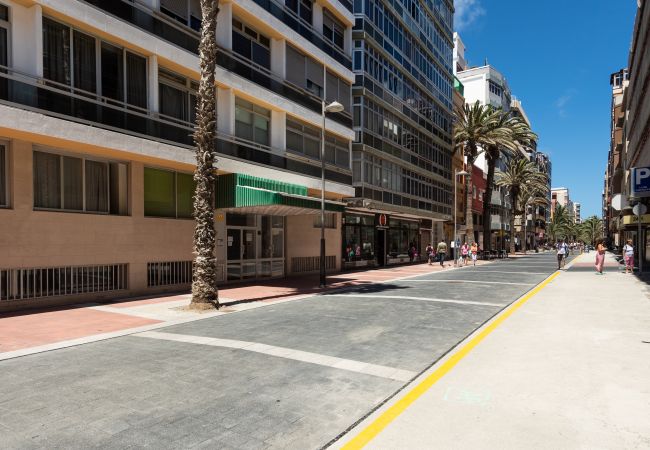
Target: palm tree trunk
204	280
487	200
469	218
514	193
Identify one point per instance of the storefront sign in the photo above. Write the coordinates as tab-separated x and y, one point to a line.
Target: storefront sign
629	220
640	181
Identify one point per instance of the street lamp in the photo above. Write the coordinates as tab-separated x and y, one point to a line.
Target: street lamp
333	107
460	173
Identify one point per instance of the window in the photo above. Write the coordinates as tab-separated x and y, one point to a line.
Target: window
333	29
337	151
4	36
177	96
307	73
330	220
70	57
338	90
168	193
250	44
495	89
252	122
303	139
4	201
79	184
187	12
303	8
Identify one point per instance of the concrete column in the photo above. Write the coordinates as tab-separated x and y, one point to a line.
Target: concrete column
27	40
279	57
153	102
317	17
136	186
224	25
226	111
347	41
278	131
21	189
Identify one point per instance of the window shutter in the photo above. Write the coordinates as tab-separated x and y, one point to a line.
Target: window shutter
295	67
178	7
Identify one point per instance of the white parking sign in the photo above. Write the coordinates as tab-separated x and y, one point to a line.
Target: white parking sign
640	181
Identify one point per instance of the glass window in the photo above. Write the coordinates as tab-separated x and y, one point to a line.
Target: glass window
56	51
136	80
333	29
187	12
185	187
112	73
159	193
78	184
250	44
96	186
177	96
252	122
302	8
303	139
84	63
4	201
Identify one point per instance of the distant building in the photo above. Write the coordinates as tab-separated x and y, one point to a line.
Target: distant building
576	213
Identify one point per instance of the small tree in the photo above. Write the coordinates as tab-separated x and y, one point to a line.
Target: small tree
204	280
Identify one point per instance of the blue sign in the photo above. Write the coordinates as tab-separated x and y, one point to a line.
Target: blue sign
640	181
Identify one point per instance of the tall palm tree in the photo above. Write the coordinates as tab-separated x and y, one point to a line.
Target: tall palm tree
511	132
474	129
557	229
519	172
592	229
204	280
530	196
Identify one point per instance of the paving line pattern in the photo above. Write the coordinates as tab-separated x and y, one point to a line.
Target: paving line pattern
351	365
422	299
469	281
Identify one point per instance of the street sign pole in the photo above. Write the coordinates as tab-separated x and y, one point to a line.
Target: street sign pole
638	237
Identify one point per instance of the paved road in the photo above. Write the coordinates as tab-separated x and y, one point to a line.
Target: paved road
291	375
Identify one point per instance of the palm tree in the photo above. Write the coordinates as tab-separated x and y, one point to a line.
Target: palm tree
511	132
558	226
531	196
474	129
519	173
204	280
592	229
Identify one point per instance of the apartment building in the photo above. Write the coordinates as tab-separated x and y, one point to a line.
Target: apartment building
97	104
402	108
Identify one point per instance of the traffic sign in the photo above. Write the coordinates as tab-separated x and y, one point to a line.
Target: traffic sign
639	209
640	181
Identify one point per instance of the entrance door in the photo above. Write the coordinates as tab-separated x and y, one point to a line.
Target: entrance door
381	247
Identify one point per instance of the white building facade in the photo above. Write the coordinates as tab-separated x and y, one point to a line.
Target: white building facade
97	103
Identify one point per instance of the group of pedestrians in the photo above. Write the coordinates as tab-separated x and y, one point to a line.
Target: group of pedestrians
440	253
563	250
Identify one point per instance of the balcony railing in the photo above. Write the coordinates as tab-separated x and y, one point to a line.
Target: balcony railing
53	99
188	39
263	77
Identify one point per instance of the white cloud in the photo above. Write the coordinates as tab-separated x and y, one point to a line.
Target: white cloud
562	102
467	11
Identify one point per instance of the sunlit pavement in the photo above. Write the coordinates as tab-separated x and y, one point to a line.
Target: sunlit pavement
569	369
290	375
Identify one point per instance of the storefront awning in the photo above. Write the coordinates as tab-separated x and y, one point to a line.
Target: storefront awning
246	194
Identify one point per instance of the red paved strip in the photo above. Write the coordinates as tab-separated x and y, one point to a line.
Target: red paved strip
31	330
130	303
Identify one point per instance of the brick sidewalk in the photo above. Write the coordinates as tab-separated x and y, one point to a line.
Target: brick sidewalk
34	328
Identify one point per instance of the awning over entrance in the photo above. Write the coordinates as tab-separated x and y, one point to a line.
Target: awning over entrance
246	194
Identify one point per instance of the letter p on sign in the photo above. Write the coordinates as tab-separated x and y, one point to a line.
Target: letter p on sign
641	181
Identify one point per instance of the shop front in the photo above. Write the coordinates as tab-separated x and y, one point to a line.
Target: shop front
254	216
378	240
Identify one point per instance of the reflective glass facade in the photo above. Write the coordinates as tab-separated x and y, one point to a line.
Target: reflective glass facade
402	104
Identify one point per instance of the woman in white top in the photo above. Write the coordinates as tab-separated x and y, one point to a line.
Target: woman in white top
628	254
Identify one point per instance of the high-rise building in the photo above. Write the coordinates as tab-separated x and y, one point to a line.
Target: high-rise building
576	213
97	108
402	105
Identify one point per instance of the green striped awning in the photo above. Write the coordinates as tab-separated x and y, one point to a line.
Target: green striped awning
247	194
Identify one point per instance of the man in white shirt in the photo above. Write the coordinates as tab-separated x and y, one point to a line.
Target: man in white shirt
562	248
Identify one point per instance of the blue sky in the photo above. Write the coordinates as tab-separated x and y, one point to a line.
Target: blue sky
557	57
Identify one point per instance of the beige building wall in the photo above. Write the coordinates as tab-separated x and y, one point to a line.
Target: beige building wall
302	239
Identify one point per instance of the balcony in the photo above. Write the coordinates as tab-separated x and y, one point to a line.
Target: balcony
263	77
52	99
188	39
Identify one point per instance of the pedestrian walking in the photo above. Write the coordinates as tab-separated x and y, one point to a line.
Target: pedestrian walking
474	251
430	253
600	257
562	250
442	252
628	254
464	253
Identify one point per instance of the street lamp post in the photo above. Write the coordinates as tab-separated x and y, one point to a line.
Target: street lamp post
459	173
333	107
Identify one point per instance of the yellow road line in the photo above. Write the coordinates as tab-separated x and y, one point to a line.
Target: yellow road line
381	422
